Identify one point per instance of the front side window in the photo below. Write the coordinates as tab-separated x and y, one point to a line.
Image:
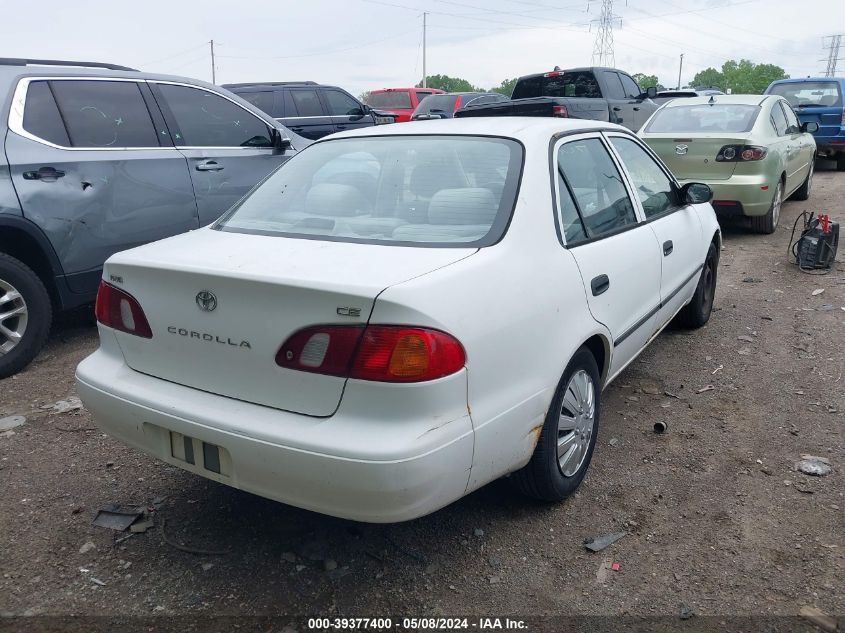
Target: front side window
206	119
307	103
41	115
653	186
613	85
341	104
407	190
597	186
729	118
778	119
104	114
792	125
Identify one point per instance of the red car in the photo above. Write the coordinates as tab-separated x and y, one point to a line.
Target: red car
400	101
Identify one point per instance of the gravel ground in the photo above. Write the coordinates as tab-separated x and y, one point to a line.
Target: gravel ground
717	520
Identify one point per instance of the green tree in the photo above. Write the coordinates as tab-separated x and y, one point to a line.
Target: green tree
506	87
741	77
449	84
364	96
647	81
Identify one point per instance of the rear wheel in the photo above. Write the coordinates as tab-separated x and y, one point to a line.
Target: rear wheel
803	192
768	223
697	312
565	447
25	315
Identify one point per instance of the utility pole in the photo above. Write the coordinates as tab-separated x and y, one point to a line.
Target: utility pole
425	77
603	49
833	55
680	70
213	72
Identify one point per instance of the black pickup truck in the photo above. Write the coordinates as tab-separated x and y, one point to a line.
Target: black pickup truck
599	94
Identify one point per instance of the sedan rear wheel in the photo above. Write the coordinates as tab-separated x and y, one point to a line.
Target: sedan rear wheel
568	436
768	223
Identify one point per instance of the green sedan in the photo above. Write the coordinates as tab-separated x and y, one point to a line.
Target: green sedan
750	149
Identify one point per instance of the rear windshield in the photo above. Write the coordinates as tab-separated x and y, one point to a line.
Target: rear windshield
570	84
718	118
389	100
407	190
437	103
810	93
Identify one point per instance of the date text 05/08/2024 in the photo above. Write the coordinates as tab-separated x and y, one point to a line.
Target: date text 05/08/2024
416	624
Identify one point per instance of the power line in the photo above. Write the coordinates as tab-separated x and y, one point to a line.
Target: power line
179	54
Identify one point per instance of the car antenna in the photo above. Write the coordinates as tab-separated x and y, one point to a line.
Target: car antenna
557	69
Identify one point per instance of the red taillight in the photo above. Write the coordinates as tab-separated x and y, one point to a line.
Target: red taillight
121	311
385	353
741	153
560	111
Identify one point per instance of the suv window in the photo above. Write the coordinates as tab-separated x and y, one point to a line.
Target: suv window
652	184
595	182
263	100
792	125
422	95
307	103
778	119
613	85
341	104
206	119
632	90
104	114
41	116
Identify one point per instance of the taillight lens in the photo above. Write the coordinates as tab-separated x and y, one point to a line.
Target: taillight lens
384	353
121	311
560	111
741	153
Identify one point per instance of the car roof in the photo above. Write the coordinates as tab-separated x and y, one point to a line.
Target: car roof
436	90
798	80
520	128
719	99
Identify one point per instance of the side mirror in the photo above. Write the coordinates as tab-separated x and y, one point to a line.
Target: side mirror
650	92
281	140
696	193
810	126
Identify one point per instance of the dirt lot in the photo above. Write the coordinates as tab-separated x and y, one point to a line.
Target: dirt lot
717	519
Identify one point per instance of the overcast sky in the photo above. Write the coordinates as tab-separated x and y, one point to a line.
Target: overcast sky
366	44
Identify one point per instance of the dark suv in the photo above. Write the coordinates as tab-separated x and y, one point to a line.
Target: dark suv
98	158
308	108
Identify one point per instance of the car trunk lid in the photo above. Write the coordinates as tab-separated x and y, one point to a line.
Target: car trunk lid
264	289
694	158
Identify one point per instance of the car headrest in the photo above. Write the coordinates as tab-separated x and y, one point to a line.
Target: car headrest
469	205
335	200
430	177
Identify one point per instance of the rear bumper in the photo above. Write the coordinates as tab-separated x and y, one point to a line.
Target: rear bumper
275	454
741	195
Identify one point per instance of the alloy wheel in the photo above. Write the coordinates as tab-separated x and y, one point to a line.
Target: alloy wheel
776	204
13	317
576	422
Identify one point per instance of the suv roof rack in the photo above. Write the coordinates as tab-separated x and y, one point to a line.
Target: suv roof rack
19	61
270	83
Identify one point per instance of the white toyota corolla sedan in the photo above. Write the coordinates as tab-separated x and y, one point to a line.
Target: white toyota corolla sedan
397	317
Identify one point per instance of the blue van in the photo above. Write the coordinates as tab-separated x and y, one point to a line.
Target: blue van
818	99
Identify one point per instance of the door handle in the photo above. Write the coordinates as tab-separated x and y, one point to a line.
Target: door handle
636	109
209	165
599	284
616	108
668	247
341	127
44	174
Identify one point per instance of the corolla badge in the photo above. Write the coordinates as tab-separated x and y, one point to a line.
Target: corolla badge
206	300
680	150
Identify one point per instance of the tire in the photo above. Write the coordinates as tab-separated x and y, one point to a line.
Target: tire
803	192
769	222
697	312
25	315
840	162
543	477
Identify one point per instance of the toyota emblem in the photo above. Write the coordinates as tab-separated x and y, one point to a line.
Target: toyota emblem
206	300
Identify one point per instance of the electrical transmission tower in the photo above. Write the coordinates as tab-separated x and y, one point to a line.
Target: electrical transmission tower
603	49
833	54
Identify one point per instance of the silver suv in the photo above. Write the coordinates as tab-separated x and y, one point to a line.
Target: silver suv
99	158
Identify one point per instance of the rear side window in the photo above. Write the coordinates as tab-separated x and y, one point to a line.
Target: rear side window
263	100
41	116
101	114
810	93
206	119
632	90
341	104
652	184
595	182
307	103
393	99
613	85
571	84
405	190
